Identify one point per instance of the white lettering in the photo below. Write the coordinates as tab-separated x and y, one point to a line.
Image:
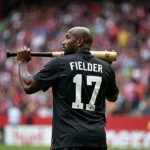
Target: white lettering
71	65
95	67
136	138
85	69
146	142
125	138
100	68
89	66
76	65
79	64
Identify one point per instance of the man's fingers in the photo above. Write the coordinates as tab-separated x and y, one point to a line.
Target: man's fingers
25	48
22	48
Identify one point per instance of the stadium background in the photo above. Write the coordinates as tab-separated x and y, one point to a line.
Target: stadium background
121	25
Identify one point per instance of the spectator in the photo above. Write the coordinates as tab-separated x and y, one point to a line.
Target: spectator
39	29
14	115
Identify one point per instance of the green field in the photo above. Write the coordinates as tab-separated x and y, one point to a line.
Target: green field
3	147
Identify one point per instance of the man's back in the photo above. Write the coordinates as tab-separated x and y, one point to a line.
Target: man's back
79	101
80	83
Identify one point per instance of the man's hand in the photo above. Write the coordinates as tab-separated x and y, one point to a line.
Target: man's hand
23	55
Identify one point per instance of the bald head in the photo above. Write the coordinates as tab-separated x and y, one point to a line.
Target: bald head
82	32
77	39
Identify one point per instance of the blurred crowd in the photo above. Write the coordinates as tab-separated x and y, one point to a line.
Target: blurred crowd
123	27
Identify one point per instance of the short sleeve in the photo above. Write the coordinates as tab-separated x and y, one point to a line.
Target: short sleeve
112	89
46	77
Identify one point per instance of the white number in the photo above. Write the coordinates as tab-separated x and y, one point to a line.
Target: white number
98	81
78	81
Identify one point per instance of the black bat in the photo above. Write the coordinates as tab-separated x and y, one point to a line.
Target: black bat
108	56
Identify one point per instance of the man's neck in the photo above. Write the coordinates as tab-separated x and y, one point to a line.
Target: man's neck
80	49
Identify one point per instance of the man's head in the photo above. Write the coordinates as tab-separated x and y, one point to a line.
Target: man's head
77	39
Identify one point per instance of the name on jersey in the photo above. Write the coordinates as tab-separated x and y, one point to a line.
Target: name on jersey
79	65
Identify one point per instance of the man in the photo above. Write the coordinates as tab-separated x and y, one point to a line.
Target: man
80	84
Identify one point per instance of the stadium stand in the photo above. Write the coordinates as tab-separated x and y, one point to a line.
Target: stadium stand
122	26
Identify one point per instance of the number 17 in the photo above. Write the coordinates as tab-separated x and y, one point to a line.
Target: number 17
78	81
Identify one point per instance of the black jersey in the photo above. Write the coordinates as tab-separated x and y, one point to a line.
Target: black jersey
80	83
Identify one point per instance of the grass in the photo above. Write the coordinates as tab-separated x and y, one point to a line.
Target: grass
4	147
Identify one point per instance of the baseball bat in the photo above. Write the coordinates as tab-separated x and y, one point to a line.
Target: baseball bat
108	56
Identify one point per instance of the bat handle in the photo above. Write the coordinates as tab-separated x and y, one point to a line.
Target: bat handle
10	54
36	54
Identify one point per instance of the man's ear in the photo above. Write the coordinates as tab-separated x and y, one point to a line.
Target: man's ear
80	42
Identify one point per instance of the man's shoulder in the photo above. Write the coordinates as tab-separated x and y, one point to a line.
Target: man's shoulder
68	57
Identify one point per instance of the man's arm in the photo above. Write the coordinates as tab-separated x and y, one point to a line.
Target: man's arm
27	81
42	80
112	91
113	98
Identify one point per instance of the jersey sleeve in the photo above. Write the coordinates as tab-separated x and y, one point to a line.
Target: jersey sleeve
112	89
46	77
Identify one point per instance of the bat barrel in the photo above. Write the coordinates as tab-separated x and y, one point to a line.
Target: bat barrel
109	56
